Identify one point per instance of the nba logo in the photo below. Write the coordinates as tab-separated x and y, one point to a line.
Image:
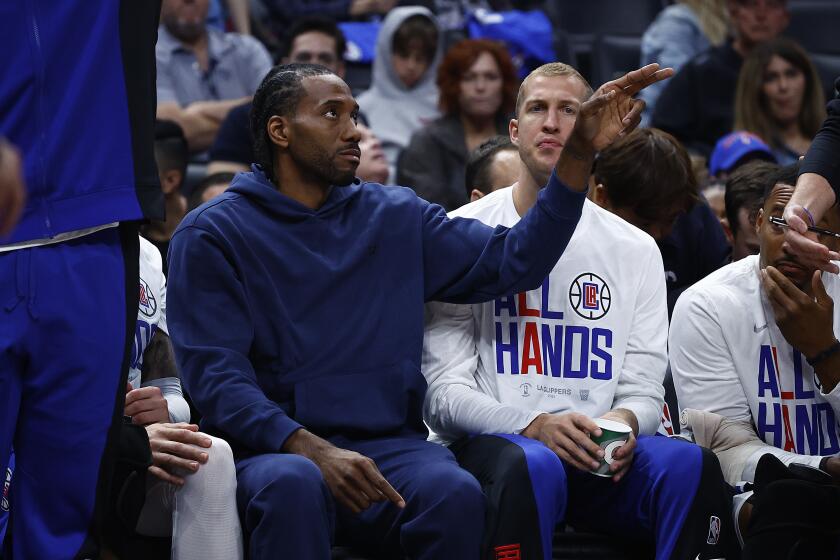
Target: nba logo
714	530
584	394
590	296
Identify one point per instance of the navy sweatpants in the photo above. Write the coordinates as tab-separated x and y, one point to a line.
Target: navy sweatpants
287	510
67	314
674	495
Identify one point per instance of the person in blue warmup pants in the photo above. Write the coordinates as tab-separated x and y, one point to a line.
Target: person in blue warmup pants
77	99
296	307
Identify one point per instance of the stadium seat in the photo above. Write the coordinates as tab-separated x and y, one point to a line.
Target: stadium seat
573	545
814	25
828	67
358	76
613	56
583	21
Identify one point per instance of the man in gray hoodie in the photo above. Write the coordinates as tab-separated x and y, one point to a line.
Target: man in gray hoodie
403	95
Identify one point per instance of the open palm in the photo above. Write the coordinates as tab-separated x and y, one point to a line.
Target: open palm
612	111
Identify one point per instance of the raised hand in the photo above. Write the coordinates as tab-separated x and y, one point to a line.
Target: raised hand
810	201
612	111
805	320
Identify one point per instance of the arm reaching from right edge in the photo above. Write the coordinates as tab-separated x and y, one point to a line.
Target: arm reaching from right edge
816	192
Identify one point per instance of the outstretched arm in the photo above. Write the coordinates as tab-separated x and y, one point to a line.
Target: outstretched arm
466	261
816	192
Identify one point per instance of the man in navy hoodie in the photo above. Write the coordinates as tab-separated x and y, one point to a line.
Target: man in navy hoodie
296	305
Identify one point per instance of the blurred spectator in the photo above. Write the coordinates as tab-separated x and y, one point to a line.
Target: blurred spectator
744	196
373	166
779	98
492	166
735	150
678	33
283	13
315	39
697	105
202	73
646	178
171	156
403	96
478	86
238	12
209	188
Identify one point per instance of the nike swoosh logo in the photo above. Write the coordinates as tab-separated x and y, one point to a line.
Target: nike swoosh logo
698	556
758	329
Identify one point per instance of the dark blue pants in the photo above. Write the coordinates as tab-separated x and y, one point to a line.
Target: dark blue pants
287	511
67	314
670	496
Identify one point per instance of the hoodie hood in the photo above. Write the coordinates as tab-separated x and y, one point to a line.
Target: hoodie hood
256	187
393	110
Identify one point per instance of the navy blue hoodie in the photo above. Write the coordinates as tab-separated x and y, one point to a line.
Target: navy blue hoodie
282	316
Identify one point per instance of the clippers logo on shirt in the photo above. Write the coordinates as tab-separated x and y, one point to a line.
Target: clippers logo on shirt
535	339
147	303
590	296
790	416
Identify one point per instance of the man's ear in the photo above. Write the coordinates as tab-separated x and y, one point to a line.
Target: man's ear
600	196
170	181
513	131
727	231
759	220
475	195
340	70
278	131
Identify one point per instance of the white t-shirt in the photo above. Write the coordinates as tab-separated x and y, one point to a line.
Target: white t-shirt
729	357
151	312
590	339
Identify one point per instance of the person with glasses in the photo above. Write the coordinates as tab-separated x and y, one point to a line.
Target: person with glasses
756	342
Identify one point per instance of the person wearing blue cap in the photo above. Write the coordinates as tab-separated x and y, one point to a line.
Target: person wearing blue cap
734	150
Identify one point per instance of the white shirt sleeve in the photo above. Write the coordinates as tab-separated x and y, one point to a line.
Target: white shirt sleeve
161	324
454	405
702	364
639	387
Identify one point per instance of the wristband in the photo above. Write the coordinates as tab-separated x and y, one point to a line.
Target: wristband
810	217
828	352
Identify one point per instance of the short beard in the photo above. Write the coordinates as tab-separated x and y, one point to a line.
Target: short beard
318	164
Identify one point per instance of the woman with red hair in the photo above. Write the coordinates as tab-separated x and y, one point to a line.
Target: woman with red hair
478	86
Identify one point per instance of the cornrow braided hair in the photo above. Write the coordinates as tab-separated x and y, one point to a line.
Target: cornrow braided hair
279	94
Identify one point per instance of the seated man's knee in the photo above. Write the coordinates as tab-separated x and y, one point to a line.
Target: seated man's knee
448	487
526	463
292	479
219	465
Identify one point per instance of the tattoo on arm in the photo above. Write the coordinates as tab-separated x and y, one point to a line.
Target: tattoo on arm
159	359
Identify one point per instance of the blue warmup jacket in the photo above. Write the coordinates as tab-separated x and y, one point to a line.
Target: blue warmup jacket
77	98
282	316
